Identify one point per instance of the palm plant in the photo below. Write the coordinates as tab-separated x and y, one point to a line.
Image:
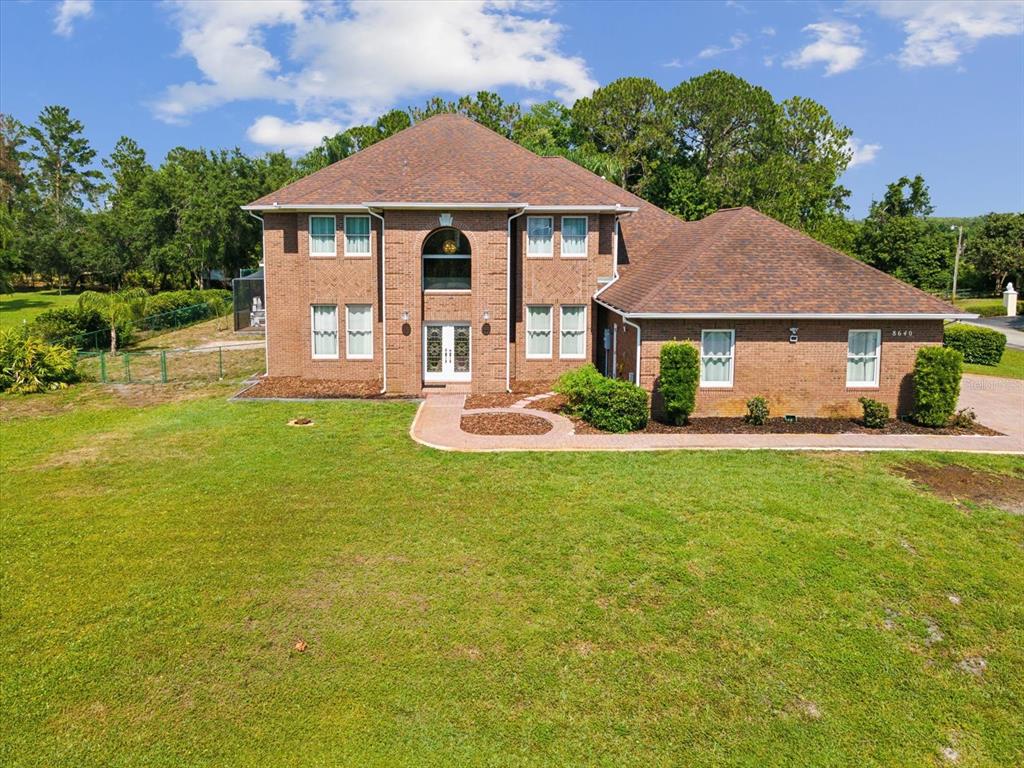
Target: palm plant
117	308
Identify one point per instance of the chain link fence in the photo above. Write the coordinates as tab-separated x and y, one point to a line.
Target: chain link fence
148	326
164	366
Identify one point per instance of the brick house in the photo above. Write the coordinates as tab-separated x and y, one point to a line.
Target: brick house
448	256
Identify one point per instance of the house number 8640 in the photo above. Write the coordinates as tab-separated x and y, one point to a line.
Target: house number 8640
902	333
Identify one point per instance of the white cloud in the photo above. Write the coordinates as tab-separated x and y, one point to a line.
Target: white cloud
67	12
294	138
673	64
736	42
349	66
938	33
861	153
768	31
837	46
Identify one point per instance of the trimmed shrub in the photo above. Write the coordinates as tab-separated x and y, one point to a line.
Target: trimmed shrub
936	385
978	345
76	327
28	364
680	372
175	308
757	411
578	385
876	414
608	404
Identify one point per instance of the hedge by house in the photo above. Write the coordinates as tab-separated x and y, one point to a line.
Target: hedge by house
936	385
677	382
978	345
876	414
608	404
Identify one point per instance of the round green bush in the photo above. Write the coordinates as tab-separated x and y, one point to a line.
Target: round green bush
876	414
757	411
983	346
608	404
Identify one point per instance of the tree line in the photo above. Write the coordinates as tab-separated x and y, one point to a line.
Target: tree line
712	141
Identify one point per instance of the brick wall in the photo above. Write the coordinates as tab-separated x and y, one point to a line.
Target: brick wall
807	378
558	280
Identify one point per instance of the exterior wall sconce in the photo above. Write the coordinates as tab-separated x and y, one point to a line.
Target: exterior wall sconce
487	315
445	219
405	315
792	334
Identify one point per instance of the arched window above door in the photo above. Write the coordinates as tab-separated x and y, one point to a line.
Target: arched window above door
447	261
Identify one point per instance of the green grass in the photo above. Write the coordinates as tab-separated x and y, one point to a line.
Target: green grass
159	563
1011	366
986	307
26	305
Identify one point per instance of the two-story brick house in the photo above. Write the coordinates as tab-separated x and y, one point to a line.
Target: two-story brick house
448	256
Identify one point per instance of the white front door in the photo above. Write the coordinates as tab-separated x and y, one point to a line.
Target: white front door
446	351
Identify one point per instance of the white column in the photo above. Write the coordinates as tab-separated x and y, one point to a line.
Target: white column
1010	300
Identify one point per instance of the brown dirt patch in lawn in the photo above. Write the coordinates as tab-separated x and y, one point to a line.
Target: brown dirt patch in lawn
504	424
805	426
957	483
296	387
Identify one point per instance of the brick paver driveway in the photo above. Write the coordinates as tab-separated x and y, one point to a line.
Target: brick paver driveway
998	403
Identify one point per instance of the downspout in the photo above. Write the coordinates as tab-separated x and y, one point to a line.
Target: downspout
615	277
383	307
508	300
266	327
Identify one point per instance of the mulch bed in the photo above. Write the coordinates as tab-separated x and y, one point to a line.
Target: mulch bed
504	424
958	483
296	387
805	426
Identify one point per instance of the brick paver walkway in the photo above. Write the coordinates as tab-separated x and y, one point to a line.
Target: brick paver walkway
999	404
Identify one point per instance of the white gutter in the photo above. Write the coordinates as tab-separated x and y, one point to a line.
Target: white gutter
625	318
413	206
508	300
797	315
383	308
266	325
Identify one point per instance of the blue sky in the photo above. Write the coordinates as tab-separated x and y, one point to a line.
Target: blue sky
935	88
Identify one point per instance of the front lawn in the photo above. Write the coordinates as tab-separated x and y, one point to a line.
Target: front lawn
1011	366
161	561
986	307
25	306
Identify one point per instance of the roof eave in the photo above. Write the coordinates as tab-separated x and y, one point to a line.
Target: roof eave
790	315
413	206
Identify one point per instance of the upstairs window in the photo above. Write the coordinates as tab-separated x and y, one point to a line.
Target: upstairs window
357	235
862	352
574	236
321	236
539	240
716	358
447	261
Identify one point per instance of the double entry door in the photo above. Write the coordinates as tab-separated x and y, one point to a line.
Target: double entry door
446	349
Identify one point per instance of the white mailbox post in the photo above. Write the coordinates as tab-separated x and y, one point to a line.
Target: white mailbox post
1010	300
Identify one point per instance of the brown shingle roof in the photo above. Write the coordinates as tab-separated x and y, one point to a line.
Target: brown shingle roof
734	261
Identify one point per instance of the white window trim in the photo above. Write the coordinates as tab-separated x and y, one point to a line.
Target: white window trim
563	355
312	333
586	238
550	331
877	358
369	238
348	354
732	359
309	225
544	255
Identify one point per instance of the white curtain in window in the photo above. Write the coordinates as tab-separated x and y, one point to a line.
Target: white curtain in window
357	234
716	357
325	330
359	326
862	357
573	331
574	236
538	230
538	331
321	235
